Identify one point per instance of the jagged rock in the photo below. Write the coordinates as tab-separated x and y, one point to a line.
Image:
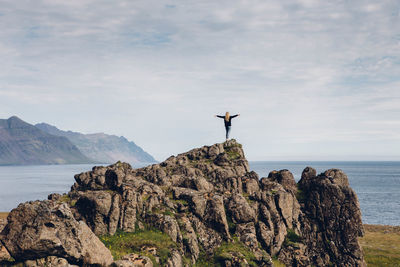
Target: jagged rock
95	206
234	259
337	177
51	261
239	209
215	215
250	183
46	228
133	260
197	183
289	209
332	219
208	238
4	255
247	234
285	178
197	200
189	238
175	260
203	199
167	224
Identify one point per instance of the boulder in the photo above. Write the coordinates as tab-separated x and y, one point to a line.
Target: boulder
50	261
239	209
285	178
133	260
47	228
175	260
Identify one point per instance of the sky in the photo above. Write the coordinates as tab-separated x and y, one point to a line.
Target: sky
311	80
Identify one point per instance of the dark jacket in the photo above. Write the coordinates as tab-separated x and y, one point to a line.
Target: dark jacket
227	123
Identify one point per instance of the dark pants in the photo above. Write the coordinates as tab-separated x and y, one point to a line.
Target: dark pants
228	129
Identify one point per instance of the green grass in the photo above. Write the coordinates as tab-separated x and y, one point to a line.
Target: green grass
277	263
231	224
300	195
381	245
204	260
122	243
224	252
68	200
237	248
232	151
232	155
181	201
292	239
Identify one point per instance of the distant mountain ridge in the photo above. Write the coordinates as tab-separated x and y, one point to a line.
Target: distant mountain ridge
102	147
22	143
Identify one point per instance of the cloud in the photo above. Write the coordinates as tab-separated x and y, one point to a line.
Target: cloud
300	72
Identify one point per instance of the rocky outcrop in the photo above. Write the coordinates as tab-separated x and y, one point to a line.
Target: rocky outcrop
332	218
212	207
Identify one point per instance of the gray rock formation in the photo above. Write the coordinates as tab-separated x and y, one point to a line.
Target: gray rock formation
332	218
216	210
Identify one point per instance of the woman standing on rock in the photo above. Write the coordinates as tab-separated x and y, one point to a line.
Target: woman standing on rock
227	120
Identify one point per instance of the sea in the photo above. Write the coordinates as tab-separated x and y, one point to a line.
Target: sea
377	183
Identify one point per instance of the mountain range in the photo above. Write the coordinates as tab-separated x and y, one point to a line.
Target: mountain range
22	143
102	147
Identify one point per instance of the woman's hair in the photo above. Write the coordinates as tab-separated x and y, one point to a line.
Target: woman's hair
227	116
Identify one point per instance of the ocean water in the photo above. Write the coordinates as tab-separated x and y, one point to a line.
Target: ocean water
377	184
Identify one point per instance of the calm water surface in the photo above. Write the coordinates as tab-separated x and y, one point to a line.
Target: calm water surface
377	184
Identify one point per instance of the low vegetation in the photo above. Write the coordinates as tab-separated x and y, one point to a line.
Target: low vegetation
237	249
3	215
300	195
233	151
292	239
277	263
381	245
227	251
122	243
66	199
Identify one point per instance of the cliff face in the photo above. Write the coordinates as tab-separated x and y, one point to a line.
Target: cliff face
102	147
212	207
22	143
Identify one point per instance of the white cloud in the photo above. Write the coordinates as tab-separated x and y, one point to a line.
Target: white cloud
305	75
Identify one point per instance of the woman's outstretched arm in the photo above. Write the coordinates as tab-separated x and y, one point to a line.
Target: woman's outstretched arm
235	116
219	116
